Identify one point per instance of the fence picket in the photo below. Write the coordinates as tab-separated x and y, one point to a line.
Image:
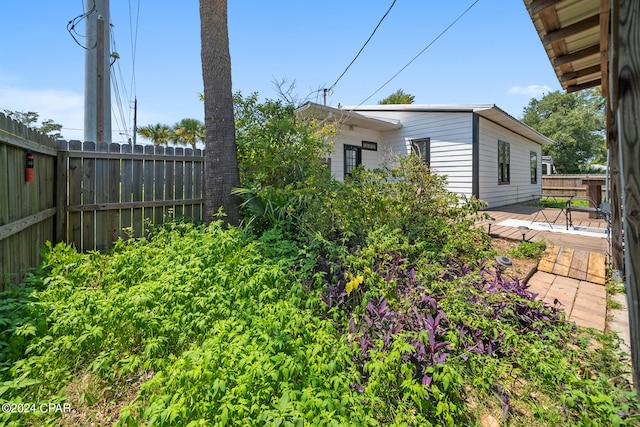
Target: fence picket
566	184
198	187
169	210
102	232
112	228
75	187
88	196
5	268
148	183
179	168
26	208
126	178
158	180
61	178
86	193
188	181
137	193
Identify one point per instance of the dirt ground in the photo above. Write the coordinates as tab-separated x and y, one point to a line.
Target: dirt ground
522	267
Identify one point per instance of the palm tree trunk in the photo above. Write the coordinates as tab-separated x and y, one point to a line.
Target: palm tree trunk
221	159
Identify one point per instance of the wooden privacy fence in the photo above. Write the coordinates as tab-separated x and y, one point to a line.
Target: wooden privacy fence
87	194
27	209
111	191
567	184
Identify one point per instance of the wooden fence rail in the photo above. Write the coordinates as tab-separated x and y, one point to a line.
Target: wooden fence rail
27	209
87	194
567	184
112	190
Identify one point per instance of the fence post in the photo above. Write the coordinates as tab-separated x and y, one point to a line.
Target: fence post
179	181
137	194
115	192
75	172
159	183
126	180
60	178
198	189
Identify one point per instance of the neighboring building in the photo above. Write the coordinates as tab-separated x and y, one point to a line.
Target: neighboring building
548	168
482	150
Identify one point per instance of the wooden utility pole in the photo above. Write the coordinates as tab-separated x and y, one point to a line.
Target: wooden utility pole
97	84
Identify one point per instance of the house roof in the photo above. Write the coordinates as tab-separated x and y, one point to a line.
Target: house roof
574	34
488	111
346	117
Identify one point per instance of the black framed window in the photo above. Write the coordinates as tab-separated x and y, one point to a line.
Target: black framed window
504	162
534	167
370	145
352	158
422	148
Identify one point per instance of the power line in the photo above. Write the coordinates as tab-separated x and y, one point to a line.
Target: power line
71	25
117	82
363	46
134	45
421	52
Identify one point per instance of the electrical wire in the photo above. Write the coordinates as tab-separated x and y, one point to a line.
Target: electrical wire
134	46
117	86
421	52
363	46
71	25
123	93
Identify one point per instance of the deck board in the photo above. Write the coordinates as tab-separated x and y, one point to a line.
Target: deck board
579	264
549	259
596	272
574	256
529	213
563	262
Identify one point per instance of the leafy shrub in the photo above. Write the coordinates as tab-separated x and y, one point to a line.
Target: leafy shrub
275	148
244	327
285	181
527	249
426	318
365	302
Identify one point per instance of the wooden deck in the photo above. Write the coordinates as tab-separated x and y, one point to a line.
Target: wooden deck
575	263
531	214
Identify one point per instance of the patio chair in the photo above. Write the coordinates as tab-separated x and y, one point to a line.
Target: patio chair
603	211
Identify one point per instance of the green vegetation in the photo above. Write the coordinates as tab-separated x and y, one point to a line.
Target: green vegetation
526	249
559	203
361	303
576	122
30	119
398	97
186	131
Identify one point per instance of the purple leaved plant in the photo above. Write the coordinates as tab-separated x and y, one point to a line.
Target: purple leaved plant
503	395
415	315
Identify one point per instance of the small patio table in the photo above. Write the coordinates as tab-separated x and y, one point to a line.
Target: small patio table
556	199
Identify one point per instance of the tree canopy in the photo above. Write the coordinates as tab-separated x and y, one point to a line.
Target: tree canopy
576	122
30	119
398	97
189	131
158	133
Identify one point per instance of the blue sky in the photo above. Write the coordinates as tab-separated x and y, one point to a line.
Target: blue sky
492	55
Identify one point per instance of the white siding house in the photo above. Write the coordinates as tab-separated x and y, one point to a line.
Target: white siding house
483	151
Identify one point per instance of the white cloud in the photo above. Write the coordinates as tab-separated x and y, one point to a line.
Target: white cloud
530	91
64	107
